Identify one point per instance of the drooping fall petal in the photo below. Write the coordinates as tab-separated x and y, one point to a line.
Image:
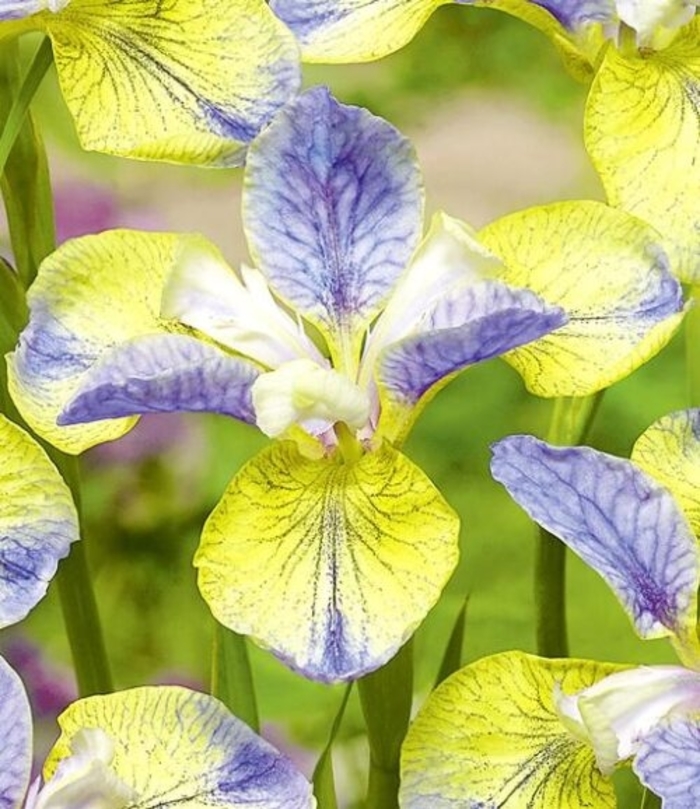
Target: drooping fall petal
96	333
330	564
173	746
188	81
608	272
491	735
38	522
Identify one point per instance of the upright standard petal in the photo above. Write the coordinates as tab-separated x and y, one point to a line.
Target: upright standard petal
491	735
331	565
353	30
332	207
619	520
609	273
16	747
669	451
472	324
619	711
96	333
38	523
176	747
642	132
188	81
668	762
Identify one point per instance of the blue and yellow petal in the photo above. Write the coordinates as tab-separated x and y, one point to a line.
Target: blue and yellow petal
38	522
669	451
353	30
610	274
170	745
642	132
190	81
618	519
96	332
331	564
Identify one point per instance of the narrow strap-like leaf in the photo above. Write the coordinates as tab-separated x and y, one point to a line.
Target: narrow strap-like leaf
323	778
43	58
452	659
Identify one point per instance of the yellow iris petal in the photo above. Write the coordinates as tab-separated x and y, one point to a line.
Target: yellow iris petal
170	746
354	30
490	735
642	131
608	272
187	81
332	565
91	295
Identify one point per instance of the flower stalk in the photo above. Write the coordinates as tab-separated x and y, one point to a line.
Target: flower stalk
386	696
572	417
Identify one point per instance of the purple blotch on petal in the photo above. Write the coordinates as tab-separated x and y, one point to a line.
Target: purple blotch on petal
332	208
668	762
482	322
306	17
619	520
164	373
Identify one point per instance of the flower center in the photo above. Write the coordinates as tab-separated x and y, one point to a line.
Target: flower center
649	17
84	780
302	392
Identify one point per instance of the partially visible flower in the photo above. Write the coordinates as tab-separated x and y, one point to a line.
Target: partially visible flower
642	127
144	747
38	522
527	728
189	81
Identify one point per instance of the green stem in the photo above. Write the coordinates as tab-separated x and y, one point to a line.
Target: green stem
78	602
571	420
692	347
386	697
42	61
28	202
650	801
232	677
323	778
26	187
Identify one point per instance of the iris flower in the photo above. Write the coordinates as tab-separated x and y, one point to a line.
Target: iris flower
188	81
642	128
549	732
151	746
330	546
134	748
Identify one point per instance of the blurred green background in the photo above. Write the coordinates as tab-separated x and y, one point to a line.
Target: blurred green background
147	496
